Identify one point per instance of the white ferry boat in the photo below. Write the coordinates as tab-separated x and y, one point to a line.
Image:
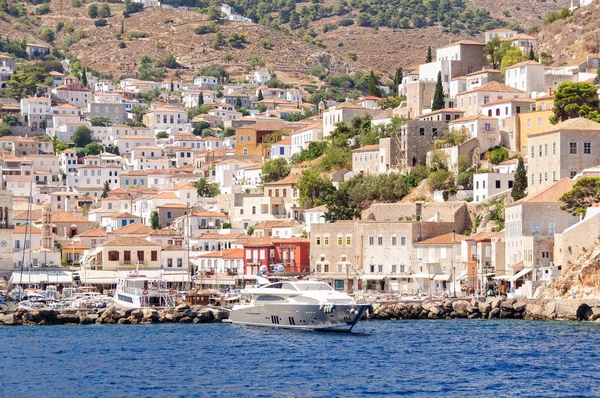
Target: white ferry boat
138	291
311	305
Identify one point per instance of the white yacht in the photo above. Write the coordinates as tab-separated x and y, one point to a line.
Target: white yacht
138	291
307	304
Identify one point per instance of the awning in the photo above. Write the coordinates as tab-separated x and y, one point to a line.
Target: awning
215	281
37	277
441	277
521	273
461	277
372	277
422	276
502	277
176	277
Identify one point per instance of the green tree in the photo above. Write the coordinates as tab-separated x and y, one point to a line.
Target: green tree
161	135
519	189
597	78
238	102
42	9
495	50
170	61
250	230
373	85
260	94
200	127
398	75
154	222
256	61
214	14
531	54
313	188
59	146
4	130
84	81
439	96
93	11
47	34
82	136
122	31
206	189
512	56
93	148
20	86
101	121
104	11
201	99
275	170
585	193
429	57
340	207
105	190
575	99
138	113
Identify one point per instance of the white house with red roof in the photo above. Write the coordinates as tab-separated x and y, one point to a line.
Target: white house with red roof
282	149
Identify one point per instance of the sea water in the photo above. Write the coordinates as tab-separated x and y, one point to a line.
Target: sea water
446	358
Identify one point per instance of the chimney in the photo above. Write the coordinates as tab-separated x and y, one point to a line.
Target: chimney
453	236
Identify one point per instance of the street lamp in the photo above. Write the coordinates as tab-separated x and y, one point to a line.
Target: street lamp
453	279
431	271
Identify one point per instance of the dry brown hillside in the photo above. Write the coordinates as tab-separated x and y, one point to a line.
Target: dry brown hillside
574	38
172	32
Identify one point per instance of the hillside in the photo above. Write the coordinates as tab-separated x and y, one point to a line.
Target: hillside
573	38
171	31
581	277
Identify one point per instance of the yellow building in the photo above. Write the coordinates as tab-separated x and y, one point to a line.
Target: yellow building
535	121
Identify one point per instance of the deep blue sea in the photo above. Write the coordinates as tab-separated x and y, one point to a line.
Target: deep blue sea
448	358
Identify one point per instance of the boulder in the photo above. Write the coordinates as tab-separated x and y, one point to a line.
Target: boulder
533	311
494	313
186	319
496	303
12	319
138	314
550	310
435	310
86	320
124	321
484	308
448	304
182	307
460	306
401	307
584	312
506	313
68	318
471	309
519	306
426	305
206	315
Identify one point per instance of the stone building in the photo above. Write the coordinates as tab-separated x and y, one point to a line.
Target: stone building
562	151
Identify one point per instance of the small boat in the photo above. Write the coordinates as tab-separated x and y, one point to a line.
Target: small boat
138	291
310	305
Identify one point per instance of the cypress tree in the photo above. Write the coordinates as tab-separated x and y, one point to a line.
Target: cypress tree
122	28
83	77
597	79
531	54
260	95
429	57
373	86
398	79
238	102
519	189
438	97
201	99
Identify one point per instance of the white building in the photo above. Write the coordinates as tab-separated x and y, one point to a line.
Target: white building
528	76
486	185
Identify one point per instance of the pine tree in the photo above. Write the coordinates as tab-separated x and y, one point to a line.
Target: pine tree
105	190
373	86
519	189
201	99
84	77
398	79
531	54
438	97
429	57
260	95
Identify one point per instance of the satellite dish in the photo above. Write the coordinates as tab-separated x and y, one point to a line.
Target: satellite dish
262	269
280	268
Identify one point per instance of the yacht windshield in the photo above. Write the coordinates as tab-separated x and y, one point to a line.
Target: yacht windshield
314	286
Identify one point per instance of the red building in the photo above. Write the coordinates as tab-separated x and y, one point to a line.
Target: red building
292	253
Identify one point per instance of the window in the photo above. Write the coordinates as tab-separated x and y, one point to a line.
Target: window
528	123
421	131
380	268
545	149
587	148
554	148
371	240
180	262
402	268
340	240
402	241
170	262
573	148
532	151
372	267
554	176
443	252
535	228
153	255
498	184
380	240
348	241
394	269
551	228
241	138
539	122
394	240
572	174
326	240
540	151
113	255
420	253
488	127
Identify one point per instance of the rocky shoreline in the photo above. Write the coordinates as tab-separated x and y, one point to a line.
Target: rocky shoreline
180	314
491	308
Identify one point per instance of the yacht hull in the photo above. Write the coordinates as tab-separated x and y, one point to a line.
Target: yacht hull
342	317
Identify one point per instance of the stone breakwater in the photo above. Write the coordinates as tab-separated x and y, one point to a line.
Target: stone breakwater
181	314
490	308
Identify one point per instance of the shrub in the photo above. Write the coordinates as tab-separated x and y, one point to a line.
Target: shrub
345	22
204	29
352	56
42	10
497	155
440	179
122	44
100	22
47	34
136	35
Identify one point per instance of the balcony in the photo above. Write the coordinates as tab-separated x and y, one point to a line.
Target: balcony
132	265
